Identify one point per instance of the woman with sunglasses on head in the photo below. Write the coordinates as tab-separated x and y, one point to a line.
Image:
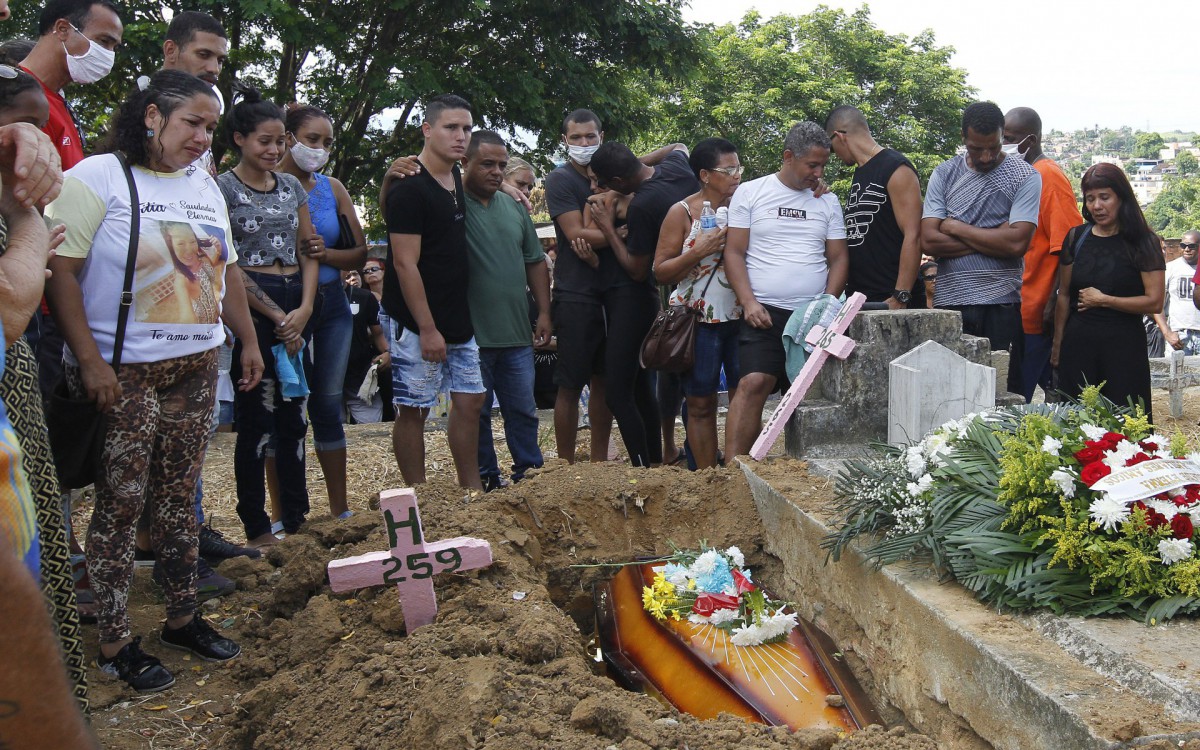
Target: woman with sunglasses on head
309	139
160	400
691	257
269	214
1111	274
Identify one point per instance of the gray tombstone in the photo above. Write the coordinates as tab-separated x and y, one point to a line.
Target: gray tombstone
931	385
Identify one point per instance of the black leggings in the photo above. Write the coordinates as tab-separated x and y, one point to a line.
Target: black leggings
1110	351
629	311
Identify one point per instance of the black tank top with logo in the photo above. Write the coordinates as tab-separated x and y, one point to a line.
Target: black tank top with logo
872	234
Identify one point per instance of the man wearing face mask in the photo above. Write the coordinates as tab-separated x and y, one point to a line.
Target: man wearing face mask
1057	213
578	314
77	42
981	209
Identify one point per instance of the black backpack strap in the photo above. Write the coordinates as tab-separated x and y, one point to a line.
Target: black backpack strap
135	230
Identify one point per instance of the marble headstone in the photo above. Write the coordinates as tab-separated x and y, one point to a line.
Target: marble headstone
931	385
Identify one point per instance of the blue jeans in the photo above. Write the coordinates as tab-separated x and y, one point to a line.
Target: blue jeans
332	325
262	413
716	349
508	372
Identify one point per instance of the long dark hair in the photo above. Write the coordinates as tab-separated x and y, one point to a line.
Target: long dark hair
167	90
248	111
1131	222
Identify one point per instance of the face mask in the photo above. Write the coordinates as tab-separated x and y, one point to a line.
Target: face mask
582	155
92	65
1014	149
309	159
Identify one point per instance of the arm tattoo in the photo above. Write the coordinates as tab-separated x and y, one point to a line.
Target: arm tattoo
256	292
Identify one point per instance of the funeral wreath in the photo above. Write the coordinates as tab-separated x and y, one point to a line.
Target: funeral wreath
1080	508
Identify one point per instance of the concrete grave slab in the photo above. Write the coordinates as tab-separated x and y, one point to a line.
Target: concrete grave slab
973	678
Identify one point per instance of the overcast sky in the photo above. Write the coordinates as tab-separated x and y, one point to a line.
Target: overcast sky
1077	63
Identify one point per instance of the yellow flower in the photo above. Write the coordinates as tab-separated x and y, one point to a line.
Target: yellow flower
691	584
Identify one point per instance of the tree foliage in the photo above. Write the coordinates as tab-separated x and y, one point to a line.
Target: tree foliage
1177	208
1186	163
761	76
369	63
1147	145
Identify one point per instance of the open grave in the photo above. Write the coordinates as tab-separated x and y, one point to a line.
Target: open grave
508	663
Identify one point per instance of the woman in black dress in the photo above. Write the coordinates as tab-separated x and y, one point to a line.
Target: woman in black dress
1111	271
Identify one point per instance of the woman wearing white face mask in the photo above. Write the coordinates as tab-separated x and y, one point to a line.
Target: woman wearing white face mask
310	137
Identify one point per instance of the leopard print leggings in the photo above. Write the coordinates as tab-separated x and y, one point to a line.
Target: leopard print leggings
154	449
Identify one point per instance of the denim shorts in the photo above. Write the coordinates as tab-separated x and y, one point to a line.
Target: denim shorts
716	347
417	383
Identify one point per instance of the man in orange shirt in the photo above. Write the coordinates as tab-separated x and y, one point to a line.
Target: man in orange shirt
1058	212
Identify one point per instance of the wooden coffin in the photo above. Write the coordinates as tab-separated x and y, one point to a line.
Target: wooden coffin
696	669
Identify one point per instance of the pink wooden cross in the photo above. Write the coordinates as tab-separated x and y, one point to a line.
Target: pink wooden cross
411	563
827	342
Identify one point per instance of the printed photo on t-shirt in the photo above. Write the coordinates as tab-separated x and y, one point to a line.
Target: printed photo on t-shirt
180	272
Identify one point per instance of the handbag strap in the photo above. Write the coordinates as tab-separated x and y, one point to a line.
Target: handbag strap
135	230
712	276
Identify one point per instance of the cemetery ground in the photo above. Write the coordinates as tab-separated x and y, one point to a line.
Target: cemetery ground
507	663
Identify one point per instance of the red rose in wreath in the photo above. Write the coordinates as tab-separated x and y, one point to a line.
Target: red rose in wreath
742	582
1088	455
1094	472
1181	527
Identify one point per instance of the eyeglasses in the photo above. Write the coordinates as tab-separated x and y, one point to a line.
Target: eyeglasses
1189	245
372	269
730	171
930	277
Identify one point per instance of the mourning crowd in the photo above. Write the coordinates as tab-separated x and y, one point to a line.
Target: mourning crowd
174	294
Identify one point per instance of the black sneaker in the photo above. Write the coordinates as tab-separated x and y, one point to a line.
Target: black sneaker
209	583
143	558
139	670
200	638
215	547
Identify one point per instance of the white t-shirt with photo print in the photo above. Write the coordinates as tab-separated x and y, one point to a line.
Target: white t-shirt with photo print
184	247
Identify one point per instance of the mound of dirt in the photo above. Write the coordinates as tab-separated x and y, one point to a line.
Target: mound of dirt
506	664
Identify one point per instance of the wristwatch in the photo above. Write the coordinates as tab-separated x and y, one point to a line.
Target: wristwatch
902	295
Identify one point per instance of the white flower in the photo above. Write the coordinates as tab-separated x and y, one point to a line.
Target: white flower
1168	509
735	555
1162	441
1108	512
1065	481
771	626
1194	457
1172	551
1124	451
919	487
705	564
915	459
721	616
1051	445
1092	431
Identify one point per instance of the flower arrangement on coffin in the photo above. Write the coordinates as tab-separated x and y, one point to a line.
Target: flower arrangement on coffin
1037	507
714	587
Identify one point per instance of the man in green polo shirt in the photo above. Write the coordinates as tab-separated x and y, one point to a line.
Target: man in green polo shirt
506	257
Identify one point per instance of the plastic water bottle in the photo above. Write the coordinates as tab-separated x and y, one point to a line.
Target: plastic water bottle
722	217
708	218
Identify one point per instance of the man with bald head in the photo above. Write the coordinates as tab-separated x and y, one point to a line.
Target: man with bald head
883	213
1057	213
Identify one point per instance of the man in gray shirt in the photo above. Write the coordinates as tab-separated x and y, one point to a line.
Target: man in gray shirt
981	209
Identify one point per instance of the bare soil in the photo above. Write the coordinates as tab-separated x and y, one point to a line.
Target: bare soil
506	665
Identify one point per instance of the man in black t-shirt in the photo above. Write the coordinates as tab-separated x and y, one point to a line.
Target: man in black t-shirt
425	293
630	301
883	213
